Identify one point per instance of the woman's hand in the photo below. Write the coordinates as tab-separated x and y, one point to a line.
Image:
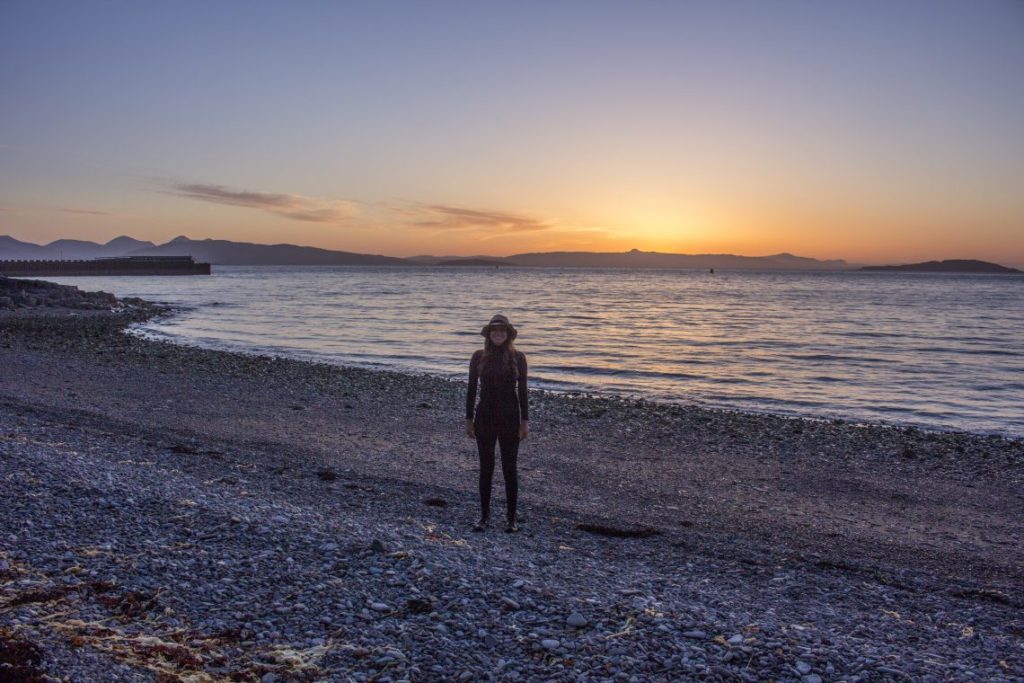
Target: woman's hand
524	430
470	430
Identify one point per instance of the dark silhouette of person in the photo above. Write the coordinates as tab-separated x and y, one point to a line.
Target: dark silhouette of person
502	415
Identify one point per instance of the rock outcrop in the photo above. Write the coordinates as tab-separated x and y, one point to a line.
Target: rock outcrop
16	293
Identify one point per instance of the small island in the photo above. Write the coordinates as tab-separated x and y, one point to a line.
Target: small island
948	266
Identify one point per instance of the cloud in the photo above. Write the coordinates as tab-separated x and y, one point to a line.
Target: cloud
292	206
65	209
444	217
91	212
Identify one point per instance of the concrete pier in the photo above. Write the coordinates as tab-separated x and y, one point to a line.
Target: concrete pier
128	265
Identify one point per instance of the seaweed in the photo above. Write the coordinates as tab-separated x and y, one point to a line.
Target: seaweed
130	605
19	659
985	594
419	606
615	532
326	474
42	595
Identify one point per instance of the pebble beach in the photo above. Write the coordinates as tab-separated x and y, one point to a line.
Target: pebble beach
178	514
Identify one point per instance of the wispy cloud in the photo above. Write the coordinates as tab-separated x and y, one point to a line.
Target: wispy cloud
296	207
454	218
91	212
65	209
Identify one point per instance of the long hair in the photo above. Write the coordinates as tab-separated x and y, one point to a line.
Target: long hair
506	351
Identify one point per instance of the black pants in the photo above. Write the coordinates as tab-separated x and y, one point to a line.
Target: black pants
485	442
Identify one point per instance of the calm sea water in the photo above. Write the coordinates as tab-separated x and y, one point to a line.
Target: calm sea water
943	351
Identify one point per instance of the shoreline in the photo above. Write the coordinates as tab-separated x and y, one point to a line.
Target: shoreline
752	518
809	377
313	359
170	311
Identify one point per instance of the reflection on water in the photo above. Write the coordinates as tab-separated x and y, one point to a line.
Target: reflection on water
938	350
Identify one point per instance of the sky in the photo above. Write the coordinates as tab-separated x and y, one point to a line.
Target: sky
876	131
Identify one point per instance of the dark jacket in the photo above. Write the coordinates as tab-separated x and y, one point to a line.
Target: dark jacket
503	392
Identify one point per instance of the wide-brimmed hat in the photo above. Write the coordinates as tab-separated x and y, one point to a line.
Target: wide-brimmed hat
499	321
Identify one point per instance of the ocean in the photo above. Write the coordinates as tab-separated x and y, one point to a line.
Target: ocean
933	350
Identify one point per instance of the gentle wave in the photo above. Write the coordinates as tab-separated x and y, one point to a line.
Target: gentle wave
937	351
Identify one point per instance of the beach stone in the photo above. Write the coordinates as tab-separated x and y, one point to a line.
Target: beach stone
576	620
377	546
236	578
380	607
550	644
509	603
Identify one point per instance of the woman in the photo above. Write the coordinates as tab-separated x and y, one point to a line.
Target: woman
502	414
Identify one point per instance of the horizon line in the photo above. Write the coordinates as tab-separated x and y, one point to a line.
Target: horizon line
846	262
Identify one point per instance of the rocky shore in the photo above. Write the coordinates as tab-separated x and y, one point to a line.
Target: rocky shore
176	514
18	293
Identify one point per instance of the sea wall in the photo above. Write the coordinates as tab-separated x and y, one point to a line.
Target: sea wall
127	266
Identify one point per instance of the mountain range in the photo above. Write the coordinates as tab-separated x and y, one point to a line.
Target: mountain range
653	259
218	252
228	253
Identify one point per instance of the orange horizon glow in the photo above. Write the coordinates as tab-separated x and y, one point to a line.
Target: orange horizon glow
873	133
884	244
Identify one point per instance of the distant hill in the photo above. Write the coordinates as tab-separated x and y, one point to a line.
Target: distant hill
490	262
227	253
128	244
653	259
13	249
948	266
69	250
217	252
75	249
428	260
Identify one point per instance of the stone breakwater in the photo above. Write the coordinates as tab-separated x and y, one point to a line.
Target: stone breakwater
16	293
177	514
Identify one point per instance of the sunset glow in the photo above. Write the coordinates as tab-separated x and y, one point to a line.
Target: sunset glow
879	132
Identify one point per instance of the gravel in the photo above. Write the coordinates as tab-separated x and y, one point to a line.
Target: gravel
164	519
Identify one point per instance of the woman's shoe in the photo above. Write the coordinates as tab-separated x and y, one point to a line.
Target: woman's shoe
511	528
481	525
